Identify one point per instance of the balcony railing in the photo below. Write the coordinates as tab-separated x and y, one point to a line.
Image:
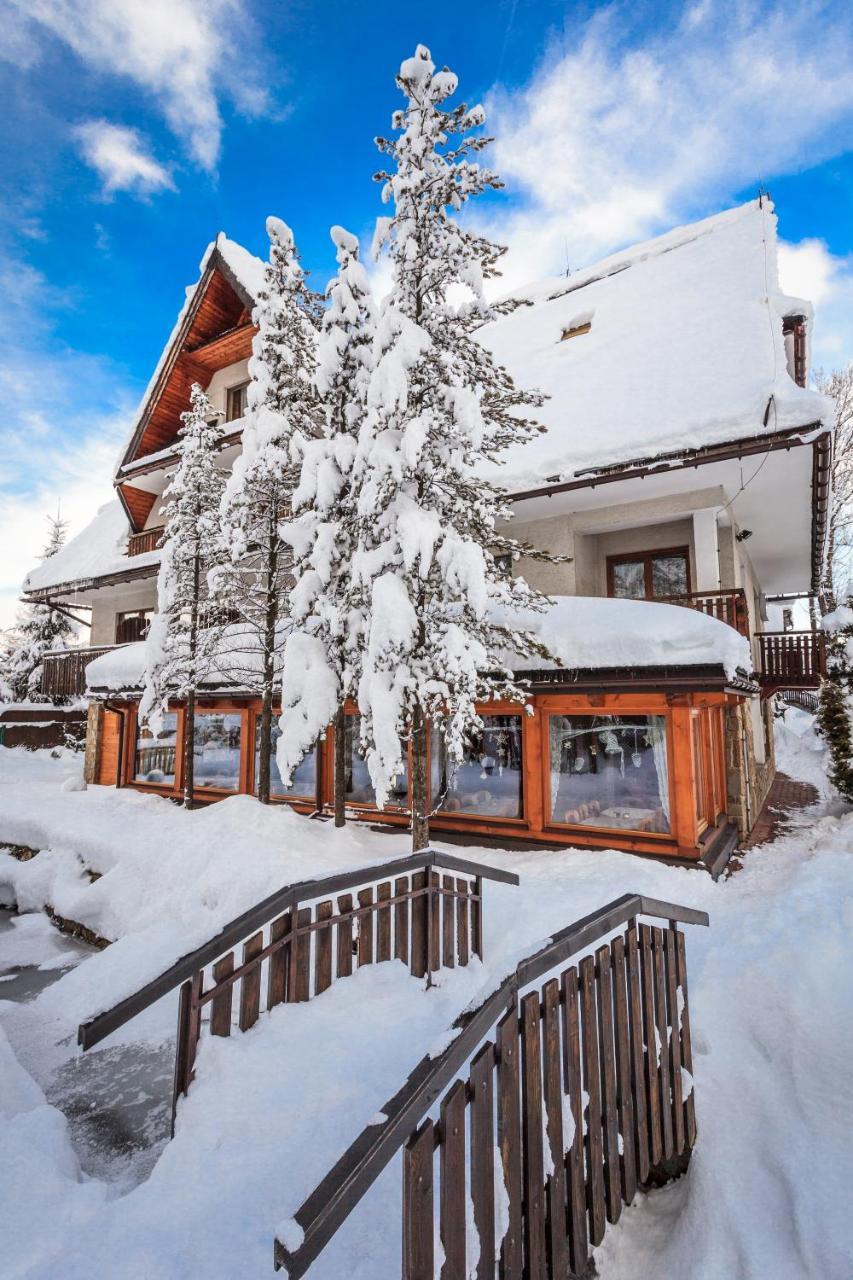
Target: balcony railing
792	659
147	540
729	606
64	671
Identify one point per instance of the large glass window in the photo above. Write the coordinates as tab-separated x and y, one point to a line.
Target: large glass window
216	750
154	760
305	775
609	771
488	780
649	575
358	787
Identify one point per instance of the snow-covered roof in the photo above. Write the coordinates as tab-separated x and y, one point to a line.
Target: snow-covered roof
584	633
99	549
684	349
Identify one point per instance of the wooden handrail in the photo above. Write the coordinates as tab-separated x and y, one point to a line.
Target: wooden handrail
146	540
334	1198
285	899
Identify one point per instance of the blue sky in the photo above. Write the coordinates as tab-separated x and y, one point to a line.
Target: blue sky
132	130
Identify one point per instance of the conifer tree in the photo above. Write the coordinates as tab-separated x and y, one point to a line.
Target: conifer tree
833	717
39	628
281	413
325	623
439	408
184	638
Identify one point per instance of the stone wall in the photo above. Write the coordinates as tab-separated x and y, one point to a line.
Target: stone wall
748	779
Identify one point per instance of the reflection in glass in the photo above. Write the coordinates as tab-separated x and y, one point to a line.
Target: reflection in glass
669	576
609	771
304	776
216	751
629	579
358	788
488	780
155	755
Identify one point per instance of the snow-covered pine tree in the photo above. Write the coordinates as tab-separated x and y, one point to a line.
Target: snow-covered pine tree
439	408
833	717
38	629
326	625
282	412
185	635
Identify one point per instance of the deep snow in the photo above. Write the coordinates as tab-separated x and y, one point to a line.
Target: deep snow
771	1010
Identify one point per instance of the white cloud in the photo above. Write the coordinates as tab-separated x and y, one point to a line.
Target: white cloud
809	270
120	157
613	141
184	53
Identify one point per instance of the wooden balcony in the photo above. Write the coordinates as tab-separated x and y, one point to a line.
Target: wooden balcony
148	540
728	606
791	659
64	671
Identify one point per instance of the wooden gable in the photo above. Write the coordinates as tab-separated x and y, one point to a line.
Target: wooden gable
216	331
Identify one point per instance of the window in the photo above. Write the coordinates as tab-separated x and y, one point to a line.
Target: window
649	575
488	780
216	750
358	788
609	771
503	564
235	402
154	759
131	627
304	784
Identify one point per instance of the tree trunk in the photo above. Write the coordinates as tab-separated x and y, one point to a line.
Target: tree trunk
189	742
340	766
270	620
420	798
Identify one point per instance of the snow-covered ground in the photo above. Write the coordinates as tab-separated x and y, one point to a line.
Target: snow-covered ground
771	1002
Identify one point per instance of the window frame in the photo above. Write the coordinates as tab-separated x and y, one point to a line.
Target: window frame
132	613
488	711
647	557
312	801
229	392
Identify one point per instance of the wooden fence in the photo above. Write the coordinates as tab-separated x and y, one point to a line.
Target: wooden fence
302	938
792	658
573	1095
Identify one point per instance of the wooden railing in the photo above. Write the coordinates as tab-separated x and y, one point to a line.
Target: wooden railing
147	540
596	1063
803	698
64	671
404	911
728	606
792	658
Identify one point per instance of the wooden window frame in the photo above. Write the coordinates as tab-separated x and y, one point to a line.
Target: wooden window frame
624	833
632	557
310	802
488	711
130	613
229	391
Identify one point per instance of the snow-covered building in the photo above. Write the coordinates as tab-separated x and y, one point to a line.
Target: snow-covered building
684	475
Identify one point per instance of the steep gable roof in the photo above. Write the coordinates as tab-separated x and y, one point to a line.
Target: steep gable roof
213	329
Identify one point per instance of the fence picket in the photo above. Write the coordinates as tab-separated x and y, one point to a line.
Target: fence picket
278	963
638	1060
649	1041
462	940
531	1092
607	1048
344	932
578	1247
434	921
383	923
592	1084
662	1043
323	949
452	1176
401	921
365	928
220	1005
250	984
686	1047
509	1141
481	1080
555	1187
418	1244
674	1042
627	1123
302	951
419	925
448	933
